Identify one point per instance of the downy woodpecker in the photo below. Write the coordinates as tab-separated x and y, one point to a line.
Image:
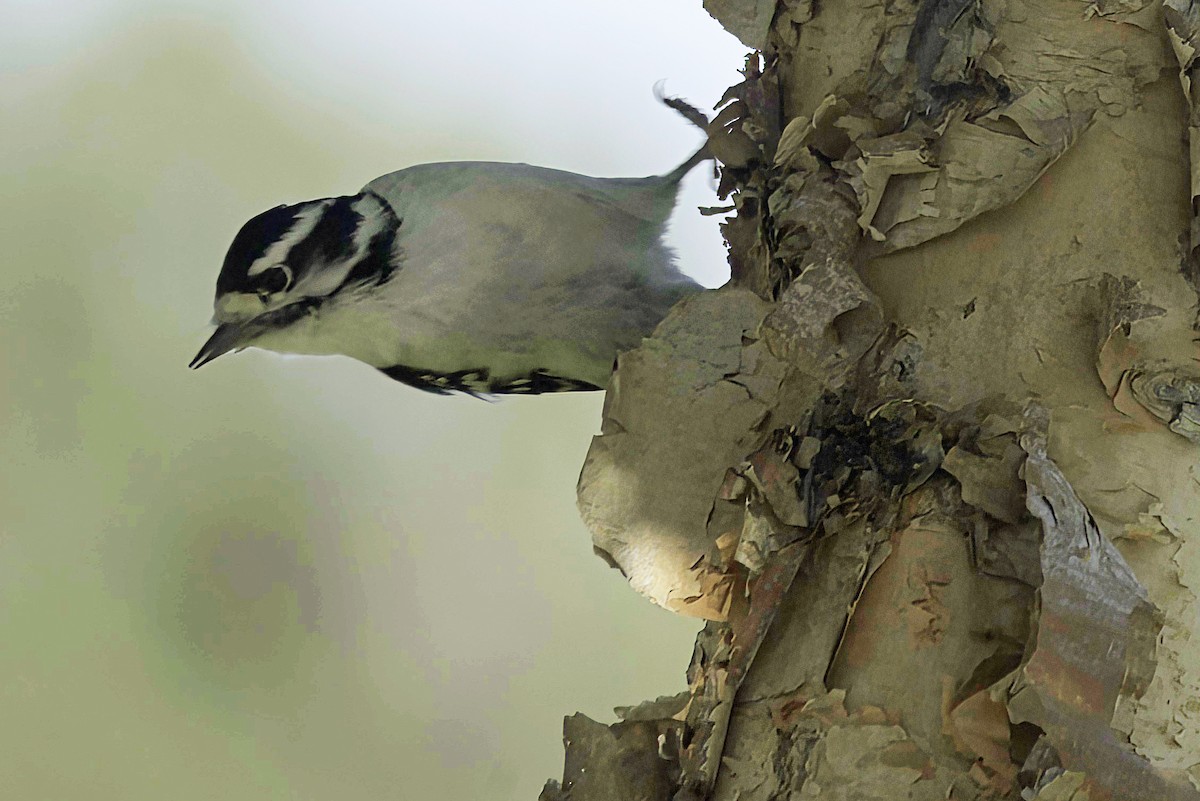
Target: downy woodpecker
470	276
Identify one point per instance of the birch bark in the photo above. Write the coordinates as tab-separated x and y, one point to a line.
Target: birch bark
928	464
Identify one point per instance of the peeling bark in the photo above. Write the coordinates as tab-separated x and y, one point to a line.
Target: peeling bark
928	464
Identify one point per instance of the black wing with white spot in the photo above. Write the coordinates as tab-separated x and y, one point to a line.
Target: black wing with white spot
478	382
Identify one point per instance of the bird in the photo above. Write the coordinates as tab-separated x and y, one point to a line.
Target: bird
483	278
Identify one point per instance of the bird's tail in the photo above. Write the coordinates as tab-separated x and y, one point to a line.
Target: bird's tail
676	175
696	117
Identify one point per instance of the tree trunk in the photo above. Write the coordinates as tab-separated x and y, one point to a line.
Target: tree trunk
928	464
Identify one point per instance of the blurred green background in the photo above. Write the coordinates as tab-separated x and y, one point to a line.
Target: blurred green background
286	578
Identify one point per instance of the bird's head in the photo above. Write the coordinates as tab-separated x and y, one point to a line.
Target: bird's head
285	263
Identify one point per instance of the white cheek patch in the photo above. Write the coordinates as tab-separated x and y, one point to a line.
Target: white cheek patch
305	222
321	280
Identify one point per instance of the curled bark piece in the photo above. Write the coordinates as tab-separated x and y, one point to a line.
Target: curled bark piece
1093	652
1182	20
1170	394
681	410
633	759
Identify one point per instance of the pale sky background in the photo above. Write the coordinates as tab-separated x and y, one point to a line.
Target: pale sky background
292	578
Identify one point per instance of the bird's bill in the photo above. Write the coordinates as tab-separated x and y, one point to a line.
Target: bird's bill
227	337
238	335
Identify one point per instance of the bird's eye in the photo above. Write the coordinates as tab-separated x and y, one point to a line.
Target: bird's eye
274	279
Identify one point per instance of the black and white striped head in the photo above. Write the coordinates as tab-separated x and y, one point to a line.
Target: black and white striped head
288	261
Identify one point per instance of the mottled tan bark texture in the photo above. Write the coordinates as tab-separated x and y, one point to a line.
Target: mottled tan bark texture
929	465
